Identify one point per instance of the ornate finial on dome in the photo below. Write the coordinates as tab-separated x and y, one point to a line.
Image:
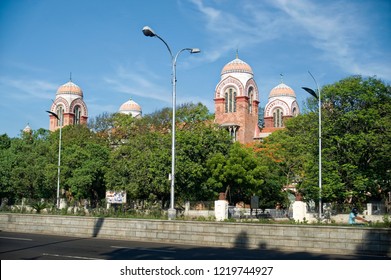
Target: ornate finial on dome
282	81
70	76
237	53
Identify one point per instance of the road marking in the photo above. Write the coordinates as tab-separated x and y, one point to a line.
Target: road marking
16	238
70	257
144	249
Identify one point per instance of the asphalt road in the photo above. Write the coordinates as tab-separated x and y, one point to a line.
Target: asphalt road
25	246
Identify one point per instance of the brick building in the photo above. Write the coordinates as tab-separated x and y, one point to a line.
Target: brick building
236	104
281	106
69	106
236	101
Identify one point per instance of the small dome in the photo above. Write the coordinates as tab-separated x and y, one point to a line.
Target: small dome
27	129
130	107
70	88
282	90
237	66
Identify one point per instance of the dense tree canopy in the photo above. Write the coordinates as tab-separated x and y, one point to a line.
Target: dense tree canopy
356	140
84	163
119	152
23	164
142	165
29	165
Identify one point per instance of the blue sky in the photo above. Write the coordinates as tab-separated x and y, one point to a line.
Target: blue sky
101	43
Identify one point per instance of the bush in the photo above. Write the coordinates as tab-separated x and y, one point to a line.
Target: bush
38	206
387	220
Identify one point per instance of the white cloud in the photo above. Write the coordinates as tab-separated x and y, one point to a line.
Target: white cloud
336	28
138	83
228	31
23	89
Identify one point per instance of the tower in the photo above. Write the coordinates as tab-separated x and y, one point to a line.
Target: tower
281	106
236	101
69	106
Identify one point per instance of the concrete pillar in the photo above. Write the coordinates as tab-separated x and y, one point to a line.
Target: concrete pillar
369	209
299	210
187	207
63	203
221	210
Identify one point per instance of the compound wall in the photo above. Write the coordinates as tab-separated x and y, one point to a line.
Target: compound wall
296	238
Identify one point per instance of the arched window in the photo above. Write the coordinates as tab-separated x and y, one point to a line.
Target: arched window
77	114
233	132
230	100
277	117
226	102
250	100
60	114
294	111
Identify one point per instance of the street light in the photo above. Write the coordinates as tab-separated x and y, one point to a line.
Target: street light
150	33
59	118
317	96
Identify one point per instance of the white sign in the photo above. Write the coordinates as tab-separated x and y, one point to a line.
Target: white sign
116	197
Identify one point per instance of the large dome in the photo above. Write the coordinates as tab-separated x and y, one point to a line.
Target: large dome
282	90
237	66
70	88
130	107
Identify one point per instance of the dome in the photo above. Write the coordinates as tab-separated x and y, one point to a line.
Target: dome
282	90
27	129
70	88
130	107
237	66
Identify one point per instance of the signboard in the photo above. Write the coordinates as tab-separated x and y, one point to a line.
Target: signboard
254	202
116	196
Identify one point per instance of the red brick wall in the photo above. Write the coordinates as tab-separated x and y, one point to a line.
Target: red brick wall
247	121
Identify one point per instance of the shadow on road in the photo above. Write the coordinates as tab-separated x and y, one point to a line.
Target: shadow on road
215	253
65	247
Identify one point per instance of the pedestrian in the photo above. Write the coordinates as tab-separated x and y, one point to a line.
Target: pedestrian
353	216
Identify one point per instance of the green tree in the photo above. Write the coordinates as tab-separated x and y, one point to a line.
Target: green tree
6	158
197	141
102	123
277	170
295	151
142	164
23	164
240	174
355	143
84	159
357	138
141	167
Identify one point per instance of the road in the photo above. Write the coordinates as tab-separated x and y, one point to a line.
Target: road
25	246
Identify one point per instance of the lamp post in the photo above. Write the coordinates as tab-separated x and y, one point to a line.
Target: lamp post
59	118
150	33
317	96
